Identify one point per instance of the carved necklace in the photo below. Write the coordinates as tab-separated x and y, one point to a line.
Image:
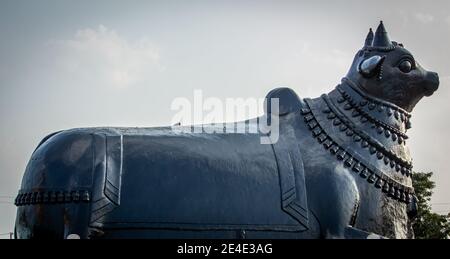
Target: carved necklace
350	158
358	100
350	98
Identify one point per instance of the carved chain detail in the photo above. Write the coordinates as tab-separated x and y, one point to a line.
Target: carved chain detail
51	197
356	162
375	148
380	127
400	114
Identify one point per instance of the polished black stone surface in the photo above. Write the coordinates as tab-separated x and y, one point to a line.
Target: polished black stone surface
340	168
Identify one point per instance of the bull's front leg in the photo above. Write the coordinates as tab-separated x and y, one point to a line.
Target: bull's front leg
334	200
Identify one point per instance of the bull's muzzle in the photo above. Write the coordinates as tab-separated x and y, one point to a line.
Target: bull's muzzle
431	83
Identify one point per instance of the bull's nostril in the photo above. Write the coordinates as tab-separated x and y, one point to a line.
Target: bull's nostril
433	77
436	76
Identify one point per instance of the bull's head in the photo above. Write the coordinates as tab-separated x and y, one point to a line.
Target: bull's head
386	70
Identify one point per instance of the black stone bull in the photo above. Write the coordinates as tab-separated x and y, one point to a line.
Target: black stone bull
340	168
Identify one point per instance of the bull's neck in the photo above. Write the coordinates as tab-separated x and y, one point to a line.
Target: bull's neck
389	119
367	134
383	125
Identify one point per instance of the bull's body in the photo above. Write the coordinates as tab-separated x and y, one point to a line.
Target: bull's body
339	169
156	183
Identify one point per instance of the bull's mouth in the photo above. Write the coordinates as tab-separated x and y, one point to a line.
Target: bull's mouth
429	90
428	93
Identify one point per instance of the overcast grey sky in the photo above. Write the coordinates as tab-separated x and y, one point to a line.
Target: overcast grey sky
66	64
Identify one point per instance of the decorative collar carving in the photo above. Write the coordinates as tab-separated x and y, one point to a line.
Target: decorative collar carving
315	117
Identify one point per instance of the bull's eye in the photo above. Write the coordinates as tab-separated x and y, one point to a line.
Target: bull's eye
405	66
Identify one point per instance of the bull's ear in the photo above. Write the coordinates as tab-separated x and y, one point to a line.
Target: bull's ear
370	66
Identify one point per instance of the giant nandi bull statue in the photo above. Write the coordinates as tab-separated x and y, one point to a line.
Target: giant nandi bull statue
339	168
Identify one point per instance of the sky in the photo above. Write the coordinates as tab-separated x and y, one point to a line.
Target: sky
67	64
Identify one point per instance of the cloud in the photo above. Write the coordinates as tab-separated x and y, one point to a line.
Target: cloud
447	20
424	18
333	58
103	55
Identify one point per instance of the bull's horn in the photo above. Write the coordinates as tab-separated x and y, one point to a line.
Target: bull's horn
381	37
369	38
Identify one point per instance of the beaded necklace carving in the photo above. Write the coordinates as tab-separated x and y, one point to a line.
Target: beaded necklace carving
355	101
